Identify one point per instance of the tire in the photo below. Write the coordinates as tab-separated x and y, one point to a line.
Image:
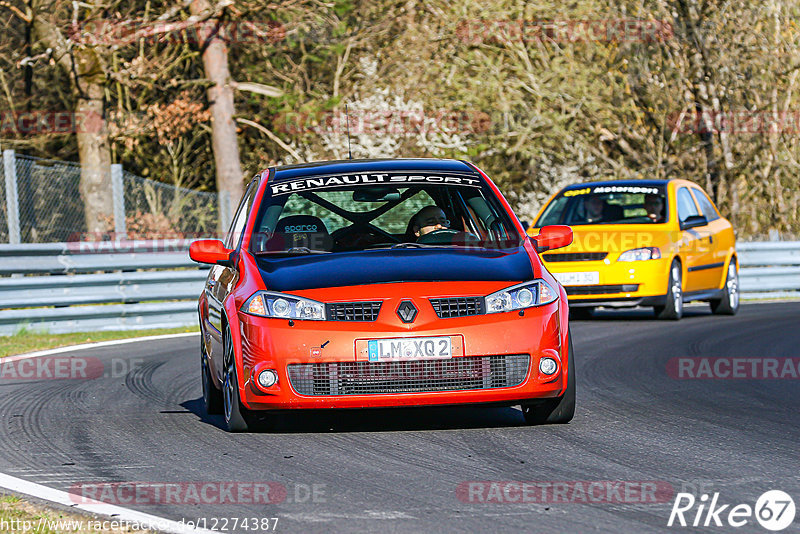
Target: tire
729	303
581	313
673	308
212	397
560	410
234	413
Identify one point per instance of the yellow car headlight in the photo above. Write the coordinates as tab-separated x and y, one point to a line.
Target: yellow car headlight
641	254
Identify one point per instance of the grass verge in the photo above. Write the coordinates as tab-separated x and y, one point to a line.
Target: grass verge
29	341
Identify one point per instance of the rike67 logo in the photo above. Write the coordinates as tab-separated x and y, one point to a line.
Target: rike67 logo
774	510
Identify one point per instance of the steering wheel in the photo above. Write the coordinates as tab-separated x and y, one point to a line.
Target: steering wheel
447	236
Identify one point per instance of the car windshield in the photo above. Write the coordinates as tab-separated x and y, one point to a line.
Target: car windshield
607	204
320	215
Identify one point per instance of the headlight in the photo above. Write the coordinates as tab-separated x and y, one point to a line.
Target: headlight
521	296
283	306
641	254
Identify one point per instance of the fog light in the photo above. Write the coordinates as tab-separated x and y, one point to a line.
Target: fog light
267	378
548	366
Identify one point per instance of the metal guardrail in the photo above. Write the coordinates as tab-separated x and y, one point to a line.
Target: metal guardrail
84	287
70	258
769	269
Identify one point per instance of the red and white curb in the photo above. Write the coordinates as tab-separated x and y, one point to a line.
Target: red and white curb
116	513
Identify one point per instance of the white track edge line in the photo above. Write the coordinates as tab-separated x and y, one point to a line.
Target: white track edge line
116	513
92	345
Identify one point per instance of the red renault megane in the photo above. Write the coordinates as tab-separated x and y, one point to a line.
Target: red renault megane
379	283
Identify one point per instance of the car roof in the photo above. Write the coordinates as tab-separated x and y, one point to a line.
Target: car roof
645	183
372	165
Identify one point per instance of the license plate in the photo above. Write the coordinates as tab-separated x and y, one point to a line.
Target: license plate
578	279
412	348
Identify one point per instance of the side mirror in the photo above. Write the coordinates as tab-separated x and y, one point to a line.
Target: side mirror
552	237
210	251
693	221
525	225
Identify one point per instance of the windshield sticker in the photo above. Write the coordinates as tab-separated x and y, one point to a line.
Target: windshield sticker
633	189
576	192
329	182
626	189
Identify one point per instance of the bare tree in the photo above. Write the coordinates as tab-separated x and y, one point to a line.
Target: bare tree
86	71
220	97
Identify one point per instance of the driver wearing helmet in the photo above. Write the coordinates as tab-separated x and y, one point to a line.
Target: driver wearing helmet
429	219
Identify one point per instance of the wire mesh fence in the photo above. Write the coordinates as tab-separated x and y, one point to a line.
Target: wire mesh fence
49	198
156	207
51	209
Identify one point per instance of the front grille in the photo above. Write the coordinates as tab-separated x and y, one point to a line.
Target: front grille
601	290
575	256
457	307
414	376
353	311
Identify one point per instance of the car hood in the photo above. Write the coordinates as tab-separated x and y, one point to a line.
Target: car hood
617	238
400	265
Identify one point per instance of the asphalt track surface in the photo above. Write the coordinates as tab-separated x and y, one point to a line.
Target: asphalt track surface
399	470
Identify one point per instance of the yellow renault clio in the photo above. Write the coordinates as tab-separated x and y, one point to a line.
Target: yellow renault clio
656	243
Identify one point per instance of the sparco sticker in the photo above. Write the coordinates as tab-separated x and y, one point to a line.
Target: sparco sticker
329	182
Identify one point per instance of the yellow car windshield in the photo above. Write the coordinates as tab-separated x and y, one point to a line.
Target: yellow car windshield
606	204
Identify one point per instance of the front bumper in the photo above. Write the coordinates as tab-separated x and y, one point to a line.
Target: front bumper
275	344
621	284
619	302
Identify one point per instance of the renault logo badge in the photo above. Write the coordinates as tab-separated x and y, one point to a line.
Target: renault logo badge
407	311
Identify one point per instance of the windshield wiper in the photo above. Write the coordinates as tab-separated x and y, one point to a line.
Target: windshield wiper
423	245
292	251
408	245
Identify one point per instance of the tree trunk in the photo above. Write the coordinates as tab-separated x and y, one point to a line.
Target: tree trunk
223	127
95	156
84	68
